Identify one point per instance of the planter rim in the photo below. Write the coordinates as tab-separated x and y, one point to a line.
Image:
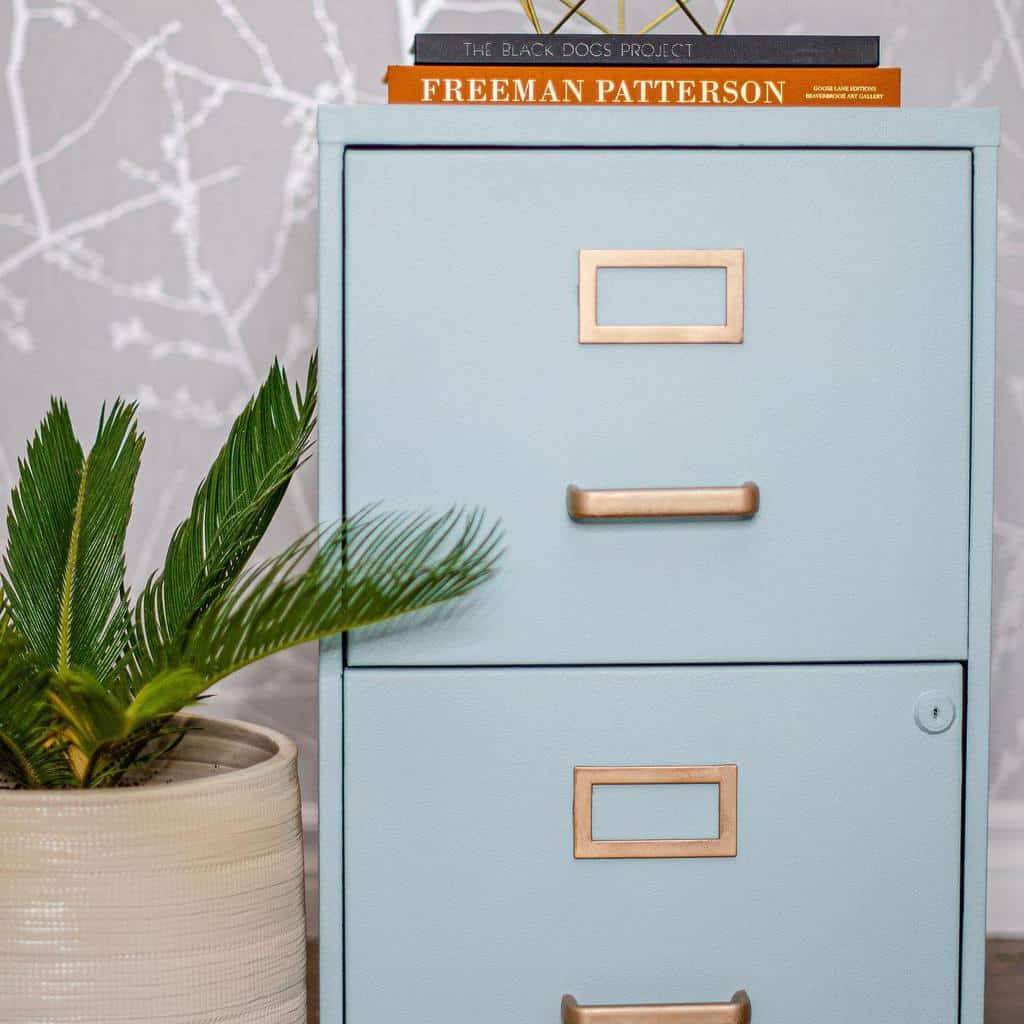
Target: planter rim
280	751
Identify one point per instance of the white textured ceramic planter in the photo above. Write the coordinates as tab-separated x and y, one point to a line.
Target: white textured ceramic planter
180	901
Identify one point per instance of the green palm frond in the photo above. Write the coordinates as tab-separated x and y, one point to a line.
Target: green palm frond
374	567
40	519
91	720
65	555
7	627
164	695
231	511
102	737
93	615
30	752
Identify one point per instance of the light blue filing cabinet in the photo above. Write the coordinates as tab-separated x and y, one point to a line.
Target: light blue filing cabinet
712	747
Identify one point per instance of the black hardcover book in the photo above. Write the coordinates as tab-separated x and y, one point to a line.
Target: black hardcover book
654	50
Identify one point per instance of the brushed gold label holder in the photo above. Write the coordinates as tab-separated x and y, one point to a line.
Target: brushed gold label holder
593	333
586	847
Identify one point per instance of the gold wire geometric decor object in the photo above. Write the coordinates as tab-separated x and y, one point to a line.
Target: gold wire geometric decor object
575	9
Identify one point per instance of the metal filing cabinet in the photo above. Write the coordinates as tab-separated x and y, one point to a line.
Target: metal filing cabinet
720	724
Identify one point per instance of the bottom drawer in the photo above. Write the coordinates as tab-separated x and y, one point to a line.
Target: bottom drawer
465	900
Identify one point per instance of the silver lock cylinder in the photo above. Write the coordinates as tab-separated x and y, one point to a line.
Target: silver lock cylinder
934	712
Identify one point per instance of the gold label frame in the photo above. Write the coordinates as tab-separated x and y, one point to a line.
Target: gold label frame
586	847
593	333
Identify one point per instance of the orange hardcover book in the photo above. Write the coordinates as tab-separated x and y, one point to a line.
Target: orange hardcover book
646	86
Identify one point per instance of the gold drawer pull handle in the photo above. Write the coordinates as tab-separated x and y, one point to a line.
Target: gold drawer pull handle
736	1011
664	502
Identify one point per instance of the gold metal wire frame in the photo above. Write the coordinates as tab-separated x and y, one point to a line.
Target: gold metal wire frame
575	10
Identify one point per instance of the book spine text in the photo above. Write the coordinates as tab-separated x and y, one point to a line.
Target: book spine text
762	87
647	50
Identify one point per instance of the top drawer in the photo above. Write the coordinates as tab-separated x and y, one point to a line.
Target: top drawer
847	401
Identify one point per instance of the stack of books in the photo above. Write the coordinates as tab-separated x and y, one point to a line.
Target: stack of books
646	70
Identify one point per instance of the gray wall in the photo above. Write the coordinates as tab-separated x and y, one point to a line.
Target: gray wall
157	233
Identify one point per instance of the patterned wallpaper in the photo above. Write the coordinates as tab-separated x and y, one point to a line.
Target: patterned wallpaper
158	229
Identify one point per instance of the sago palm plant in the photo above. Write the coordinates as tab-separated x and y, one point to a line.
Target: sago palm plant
90	680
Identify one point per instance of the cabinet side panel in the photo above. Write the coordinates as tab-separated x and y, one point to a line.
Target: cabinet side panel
980	598
330	510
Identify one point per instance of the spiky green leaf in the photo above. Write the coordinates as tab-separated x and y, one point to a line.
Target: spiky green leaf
230	513
65	555
90	718
40	520
376	566
102	740
93	624
166	694
31	754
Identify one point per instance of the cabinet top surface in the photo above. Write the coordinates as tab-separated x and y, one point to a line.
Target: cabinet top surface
402	125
